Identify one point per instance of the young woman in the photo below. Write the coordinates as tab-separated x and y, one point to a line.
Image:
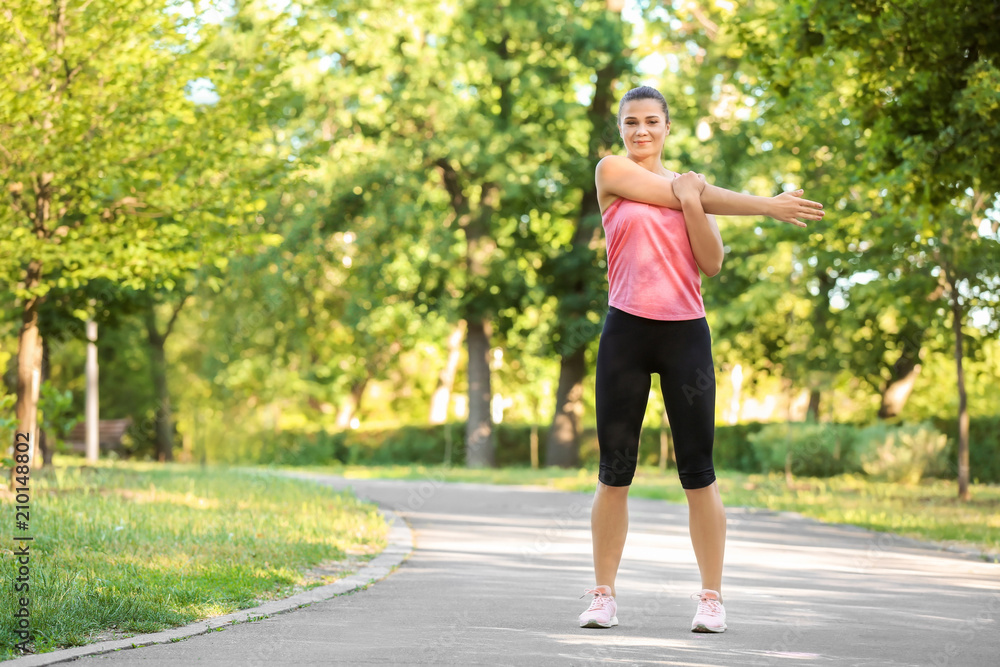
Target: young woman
660	230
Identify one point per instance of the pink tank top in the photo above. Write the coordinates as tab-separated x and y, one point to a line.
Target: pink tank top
652	272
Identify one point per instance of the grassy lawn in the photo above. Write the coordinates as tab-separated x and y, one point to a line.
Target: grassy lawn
927	511
122	549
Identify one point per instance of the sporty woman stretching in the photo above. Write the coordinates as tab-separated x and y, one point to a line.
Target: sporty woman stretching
660	231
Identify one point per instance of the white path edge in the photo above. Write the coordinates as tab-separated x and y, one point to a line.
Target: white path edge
400	546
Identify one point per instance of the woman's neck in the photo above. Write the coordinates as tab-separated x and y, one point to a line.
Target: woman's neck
652	164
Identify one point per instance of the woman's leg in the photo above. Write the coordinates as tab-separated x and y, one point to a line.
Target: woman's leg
707	523
608	527
687	380
622	390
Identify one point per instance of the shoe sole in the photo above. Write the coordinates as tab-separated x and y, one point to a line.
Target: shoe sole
704	628
596	624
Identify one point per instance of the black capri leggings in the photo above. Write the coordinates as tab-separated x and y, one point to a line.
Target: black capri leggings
631	349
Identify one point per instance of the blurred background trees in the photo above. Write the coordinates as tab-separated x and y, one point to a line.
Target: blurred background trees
298	220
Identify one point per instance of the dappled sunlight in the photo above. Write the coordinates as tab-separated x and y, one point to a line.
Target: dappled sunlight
680	652
782	571
591	638
923	510
154	495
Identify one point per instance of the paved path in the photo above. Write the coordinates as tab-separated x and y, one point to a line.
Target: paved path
497	572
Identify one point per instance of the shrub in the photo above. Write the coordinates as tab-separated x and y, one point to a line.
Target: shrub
816	450
984	448
900	453
734	449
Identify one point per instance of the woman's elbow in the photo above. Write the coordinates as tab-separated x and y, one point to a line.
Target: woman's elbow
712	269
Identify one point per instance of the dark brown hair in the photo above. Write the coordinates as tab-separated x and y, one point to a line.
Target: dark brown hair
644	93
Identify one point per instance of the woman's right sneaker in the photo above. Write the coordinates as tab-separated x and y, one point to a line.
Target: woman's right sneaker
602	609
711	616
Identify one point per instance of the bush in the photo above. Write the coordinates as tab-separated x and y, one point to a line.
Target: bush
984	448
56	415
734	449
900	453
7	427
810	449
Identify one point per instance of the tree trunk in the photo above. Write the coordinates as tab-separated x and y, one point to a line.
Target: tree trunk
963	411
29	367
44	448
158	366
533	445
446	380
43	442
479	250
812	412
666	439
353	403
164	415
92	399
563	445
897	390
479	447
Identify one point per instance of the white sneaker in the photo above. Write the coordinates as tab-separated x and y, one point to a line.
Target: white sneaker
711	616
602	609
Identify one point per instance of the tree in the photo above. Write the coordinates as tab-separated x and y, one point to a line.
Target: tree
110	169
485	98
575	275
925	81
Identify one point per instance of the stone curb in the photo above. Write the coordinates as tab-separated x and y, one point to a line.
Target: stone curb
400	545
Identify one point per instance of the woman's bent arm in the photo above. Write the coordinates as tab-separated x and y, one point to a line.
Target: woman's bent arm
702	230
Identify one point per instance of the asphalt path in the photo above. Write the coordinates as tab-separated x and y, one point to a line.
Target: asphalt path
496	574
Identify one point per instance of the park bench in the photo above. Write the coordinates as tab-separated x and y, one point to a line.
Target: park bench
109	435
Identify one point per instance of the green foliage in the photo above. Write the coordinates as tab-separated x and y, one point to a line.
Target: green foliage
819	450
359	265
893	452
56	413
8	424
733	449
110	169
984	447
902	453
900	143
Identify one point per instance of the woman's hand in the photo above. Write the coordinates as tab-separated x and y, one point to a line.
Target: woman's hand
688	185
791	207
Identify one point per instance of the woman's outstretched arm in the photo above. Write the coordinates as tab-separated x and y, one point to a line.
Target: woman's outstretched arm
620	176
786	207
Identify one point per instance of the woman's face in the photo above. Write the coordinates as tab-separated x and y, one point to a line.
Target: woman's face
643	127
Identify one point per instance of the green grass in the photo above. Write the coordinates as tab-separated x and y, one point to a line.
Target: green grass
122	549
929	510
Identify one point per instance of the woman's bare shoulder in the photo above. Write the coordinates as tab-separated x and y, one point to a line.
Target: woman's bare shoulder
614	163
609	168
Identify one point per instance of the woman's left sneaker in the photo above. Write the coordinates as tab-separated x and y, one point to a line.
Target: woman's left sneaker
711	616
603	609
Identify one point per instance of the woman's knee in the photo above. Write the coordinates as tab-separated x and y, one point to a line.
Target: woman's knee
612	491
618	464
692	481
